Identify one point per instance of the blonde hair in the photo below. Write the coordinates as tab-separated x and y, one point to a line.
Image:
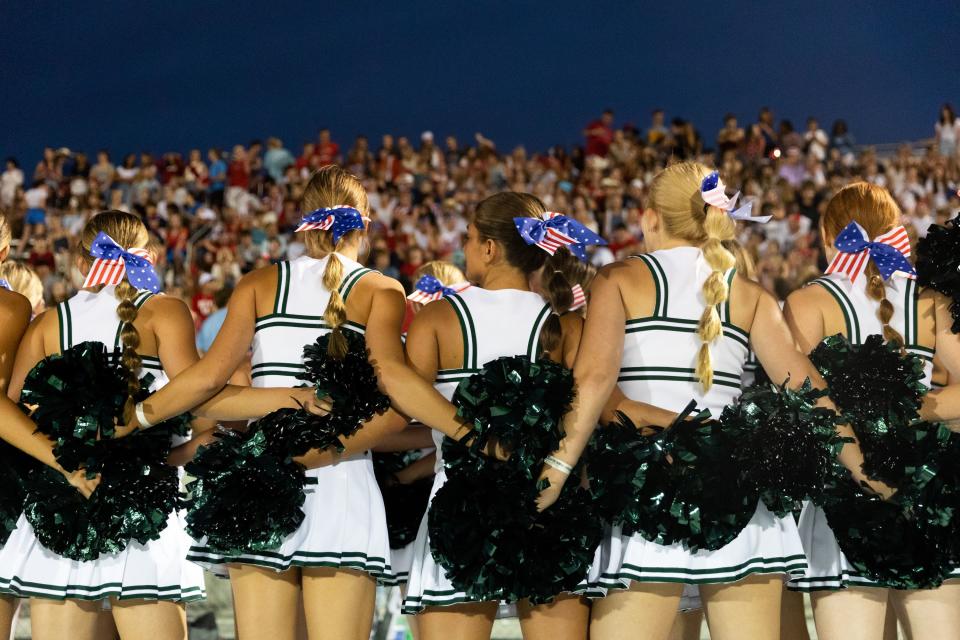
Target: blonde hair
675	195
128	231
24	281
330	186
874	209
4	233
446	272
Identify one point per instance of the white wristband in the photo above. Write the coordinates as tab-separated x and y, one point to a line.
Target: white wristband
141	416
558	464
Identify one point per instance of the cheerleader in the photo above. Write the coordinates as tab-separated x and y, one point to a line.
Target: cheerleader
671	325
146	585
449	342
859	302
334	559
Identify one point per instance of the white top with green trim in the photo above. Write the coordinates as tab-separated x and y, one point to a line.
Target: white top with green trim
297	319
660	350
860	312
494	324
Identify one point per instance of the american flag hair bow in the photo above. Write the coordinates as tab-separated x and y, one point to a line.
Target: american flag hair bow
555	230
714	193
340	218
429	289
579	298
888	251
112	263
5	285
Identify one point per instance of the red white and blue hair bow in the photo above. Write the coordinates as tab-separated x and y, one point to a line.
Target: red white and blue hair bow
429	289
579	298
5	285
889	251
714	193
340	219
112	263
555	230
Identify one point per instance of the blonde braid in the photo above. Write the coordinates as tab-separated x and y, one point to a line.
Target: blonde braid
718	228
336	312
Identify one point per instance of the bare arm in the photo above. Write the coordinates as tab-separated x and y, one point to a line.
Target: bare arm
419	469
415	436
944	404
204	378
805	321
409	389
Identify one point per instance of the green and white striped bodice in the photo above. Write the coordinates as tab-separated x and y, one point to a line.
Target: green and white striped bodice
504	322
860	311
297	319
660	350
92	317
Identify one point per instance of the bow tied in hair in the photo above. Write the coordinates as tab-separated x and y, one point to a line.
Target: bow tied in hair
340	219
579	297
714	193
112	263
429	289
888	251
5	285
555	230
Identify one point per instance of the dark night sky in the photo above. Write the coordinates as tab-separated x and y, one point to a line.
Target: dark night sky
171	75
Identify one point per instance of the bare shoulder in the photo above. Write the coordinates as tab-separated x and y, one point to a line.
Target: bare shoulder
164	305
262	277
624	271
14	309
375	281
808	295
436	313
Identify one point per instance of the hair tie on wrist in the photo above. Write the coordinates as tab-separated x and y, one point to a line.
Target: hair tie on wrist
141	416
558	464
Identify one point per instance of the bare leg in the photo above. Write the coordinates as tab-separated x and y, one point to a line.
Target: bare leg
150	619
8	611
59	619
645	612
266	602
687	625
749	608
412	621
338	603
472	621
929	614
793	616
566	618
855	613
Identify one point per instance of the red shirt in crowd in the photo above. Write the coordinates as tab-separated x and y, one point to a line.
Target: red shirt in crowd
202	305
599	138
327	153
238	174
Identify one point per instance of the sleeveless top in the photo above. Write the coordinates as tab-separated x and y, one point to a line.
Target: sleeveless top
860	312
92	317
297	319
660	351
502	322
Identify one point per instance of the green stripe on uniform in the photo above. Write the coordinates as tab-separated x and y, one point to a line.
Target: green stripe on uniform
533	345
846	307
467	329
351	280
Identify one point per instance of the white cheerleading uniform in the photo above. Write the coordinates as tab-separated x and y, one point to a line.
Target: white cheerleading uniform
658	367
345	524
157	570
494	324
827	567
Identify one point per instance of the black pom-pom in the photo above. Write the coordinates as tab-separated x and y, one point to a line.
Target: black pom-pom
351	382
787	445
680	486
484	527
486	533
405	504
520	403
15	466
877	389
79	396
245	497
938	264
248	494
